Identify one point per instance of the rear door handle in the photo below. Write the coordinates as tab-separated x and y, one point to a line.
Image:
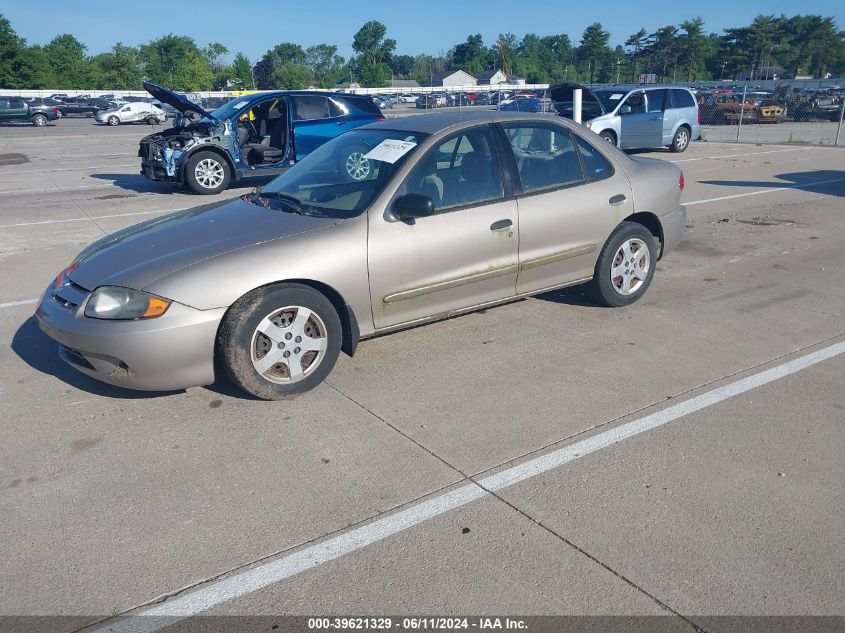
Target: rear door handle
618	199
501	225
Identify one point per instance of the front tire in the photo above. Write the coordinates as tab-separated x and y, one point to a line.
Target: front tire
39	120
681	140
625	267
207	173
113	120
280	341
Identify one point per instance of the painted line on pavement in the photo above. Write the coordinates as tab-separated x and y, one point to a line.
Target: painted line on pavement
776	151
164	614
89	219
22	302
762	191
41	171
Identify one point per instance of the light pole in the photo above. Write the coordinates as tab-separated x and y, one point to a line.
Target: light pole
618	61
722	76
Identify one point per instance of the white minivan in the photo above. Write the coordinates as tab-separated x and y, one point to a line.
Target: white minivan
139	111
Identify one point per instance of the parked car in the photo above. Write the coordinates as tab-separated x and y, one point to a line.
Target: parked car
634	116
136	112
522	103
253	135
71	106
482	98
274	285
15	109
407	98
454	99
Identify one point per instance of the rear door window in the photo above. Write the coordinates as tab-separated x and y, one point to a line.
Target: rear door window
308	108
545	156
655	100
683	99
596	166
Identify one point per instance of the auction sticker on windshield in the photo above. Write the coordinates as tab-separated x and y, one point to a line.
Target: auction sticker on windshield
390	150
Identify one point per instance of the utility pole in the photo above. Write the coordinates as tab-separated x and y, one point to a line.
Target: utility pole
618	61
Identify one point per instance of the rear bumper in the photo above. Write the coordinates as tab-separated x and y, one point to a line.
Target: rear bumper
673	223
171	352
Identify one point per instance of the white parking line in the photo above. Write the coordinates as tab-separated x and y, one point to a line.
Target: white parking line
776	151
40	171
22	302
88	219
230	587
799	185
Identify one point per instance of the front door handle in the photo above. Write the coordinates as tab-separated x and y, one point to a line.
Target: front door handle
618	199
501	225
657	118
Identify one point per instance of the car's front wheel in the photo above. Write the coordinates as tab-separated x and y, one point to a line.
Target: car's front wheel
113	120
625	266
280	341
207	173
609	136
39	120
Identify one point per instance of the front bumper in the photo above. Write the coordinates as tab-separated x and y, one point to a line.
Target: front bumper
674	224
173	351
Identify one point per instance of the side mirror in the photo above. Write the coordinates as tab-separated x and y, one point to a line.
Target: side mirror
625	109
414	205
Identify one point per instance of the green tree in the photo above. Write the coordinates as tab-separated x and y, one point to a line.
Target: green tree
692	45
327	67
118	69
275	58
402	65
69	62
663	50
636	44
292	76
595	52
213	54
471	56
176	62
242	78
374	50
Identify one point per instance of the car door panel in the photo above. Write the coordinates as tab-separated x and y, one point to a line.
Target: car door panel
462	257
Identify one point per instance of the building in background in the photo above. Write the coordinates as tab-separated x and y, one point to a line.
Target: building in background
450	78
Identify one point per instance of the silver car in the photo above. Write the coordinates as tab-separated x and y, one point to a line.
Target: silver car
451	213
633	117
135	112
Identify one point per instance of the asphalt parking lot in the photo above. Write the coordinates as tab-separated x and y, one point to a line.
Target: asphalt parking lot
681	457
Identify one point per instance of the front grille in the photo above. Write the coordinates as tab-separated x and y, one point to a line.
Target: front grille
70	295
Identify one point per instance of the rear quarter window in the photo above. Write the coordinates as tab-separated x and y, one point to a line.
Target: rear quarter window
596	166
363	103
682	99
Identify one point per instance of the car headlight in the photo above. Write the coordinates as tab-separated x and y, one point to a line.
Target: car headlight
115	302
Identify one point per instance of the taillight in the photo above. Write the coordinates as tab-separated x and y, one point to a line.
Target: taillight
379	118
699	117
55	110
681	182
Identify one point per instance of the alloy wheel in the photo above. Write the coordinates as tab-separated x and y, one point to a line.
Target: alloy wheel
209	173
630	267
288	345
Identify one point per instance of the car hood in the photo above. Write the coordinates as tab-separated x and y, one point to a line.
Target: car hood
561	97
177	101
138	255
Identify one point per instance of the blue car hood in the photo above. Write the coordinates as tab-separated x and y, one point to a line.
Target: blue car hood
179	102
137	256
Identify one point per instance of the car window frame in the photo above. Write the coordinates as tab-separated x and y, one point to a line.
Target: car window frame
517	179
507	191
663	108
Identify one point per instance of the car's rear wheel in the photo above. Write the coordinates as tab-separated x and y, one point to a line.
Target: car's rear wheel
39	120
681	140
113	120
609	136
280	341
625	267
207	173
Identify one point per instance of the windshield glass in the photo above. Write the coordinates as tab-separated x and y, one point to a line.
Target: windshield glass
342	177
229	108
610	98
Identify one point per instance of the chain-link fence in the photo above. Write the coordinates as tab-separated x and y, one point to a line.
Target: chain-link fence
782	112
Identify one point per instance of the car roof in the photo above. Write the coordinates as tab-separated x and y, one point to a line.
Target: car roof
433	123
630	87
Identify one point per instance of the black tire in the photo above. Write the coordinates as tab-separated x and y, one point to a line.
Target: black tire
681	140
191	173
39	120
238	336
113	120
602	289
609	136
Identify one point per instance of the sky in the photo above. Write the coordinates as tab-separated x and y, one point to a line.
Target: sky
428	26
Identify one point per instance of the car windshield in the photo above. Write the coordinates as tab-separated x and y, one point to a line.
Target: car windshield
342	177
230	108
610	98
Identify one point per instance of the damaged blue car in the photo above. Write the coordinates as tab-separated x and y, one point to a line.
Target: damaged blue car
260	134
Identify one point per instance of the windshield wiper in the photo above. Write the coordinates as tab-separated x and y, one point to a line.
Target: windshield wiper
292	202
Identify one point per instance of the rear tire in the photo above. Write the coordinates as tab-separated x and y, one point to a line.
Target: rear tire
39	120
681	140
280	341
207	173
625	267
609	136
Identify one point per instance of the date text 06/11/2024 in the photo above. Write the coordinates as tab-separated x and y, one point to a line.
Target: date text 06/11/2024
416	623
